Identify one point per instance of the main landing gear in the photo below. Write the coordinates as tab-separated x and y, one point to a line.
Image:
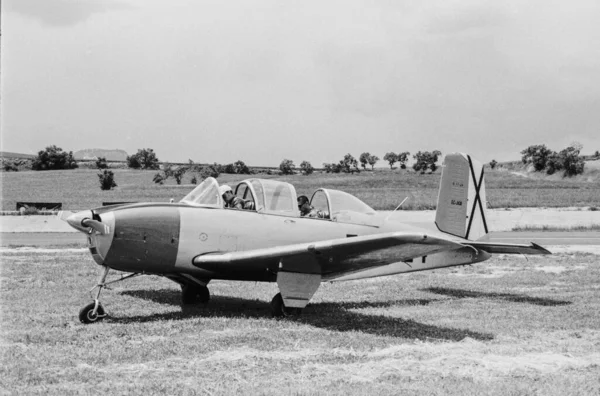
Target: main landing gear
94	312
279	310
193	293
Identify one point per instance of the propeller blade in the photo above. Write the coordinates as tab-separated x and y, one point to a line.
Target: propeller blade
64	214
99	227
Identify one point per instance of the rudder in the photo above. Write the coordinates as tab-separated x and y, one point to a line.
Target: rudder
461	206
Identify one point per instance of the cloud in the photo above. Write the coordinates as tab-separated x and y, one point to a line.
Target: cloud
63	13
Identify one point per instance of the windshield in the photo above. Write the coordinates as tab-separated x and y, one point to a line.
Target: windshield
206	194
341	201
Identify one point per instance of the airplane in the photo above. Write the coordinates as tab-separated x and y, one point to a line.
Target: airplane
196	240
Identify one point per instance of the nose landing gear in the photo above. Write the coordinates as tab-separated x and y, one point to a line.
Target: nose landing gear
94	312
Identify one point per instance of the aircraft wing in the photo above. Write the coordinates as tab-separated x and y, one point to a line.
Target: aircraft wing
508	248
332	256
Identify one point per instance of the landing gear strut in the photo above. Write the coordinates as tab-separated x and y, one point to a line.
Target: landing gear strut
279	310
94	312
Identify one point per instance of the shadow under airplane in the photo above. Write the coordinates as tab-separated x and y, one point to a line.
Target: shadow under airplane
520	298
331	316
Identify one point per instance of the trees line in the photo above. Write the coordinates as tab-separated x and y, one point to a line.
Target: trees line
542	158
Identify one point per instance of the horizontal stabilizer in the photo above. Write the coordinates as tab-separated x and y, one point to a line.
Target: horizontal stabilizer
507	248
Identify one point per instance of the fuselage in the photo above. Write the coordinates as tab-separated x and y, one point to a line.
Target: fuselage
161	238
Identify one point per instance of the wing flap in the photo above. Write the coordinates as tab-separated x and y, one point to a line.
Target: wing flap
509	248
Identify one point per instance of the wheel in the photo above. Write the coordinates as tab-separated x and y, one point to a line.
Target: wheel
191	294
279	310
203	294
188	295
86	314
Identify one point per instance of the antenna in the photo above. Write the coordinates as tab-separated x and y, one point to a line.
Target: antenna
397	207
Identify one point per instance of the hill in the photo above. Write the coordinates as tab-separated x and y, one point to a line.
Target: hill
9	155
92	154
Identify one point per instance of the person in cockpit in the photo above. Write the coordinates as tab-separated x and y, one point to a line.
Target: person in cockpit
306	210
229	199
233	202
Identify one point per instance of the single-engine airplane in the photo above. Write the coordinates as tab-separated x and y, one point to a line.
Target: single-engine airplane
196	240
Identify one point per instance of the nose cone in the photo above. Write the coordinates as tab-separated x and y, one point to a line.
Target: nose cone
75	220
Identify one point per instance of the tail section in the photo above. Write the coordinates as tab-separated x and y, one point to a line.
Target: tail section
461	206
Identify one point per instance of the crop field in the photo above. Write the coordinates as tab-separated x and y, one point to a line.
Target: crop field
508	326
382	189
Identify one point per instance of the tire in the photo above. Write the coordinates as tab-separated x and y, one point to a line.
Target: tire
188	295
279	310
203	294
192	294
86	313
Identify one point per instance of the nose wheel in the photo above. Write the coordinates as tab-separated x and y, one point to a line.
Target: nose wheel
94	311
91	313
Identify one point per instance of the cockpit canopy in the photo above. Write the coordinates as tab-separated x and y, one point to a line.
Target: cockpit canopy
267	196
279	198
205	194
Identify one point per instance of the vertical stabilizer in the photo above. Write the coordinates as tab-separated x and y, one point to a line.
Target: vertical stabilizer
461	206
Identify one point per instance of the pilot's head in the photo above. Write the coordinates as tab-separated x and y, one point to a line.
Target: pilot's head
226	192
303	205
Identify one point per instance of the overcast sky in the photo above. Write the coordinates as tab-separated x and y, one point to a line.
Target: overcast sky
260	81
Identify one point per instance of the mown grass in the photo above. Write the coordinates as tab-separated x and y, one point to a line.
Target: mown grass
508	326
382	189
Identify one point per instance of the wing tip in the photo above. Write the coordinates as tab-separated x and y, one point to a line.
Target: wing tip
540	248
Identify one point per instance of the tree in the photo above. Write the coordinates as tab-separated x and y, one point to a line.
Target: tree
229	169
159	178
373	160
493	163
536	155
9	166
403	158
54	158
143	159
107	180
597	154
240	168
349	164
210	171
572	162
101	163
391	158
553	163
178	174
287	167
306	168
364	159
426	160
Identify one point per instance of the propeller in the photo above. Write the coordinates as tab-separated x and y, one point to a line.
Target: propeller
98	226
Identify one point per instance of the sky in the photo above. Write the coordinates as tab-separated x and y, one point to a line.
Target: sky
260	81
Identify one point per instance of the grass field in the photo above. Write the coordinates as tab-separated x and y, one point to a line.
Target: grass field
508	326
382	189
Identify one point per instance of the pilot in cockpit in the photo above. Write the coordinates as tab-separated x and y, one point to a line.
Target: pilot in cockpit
233	202
306	210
